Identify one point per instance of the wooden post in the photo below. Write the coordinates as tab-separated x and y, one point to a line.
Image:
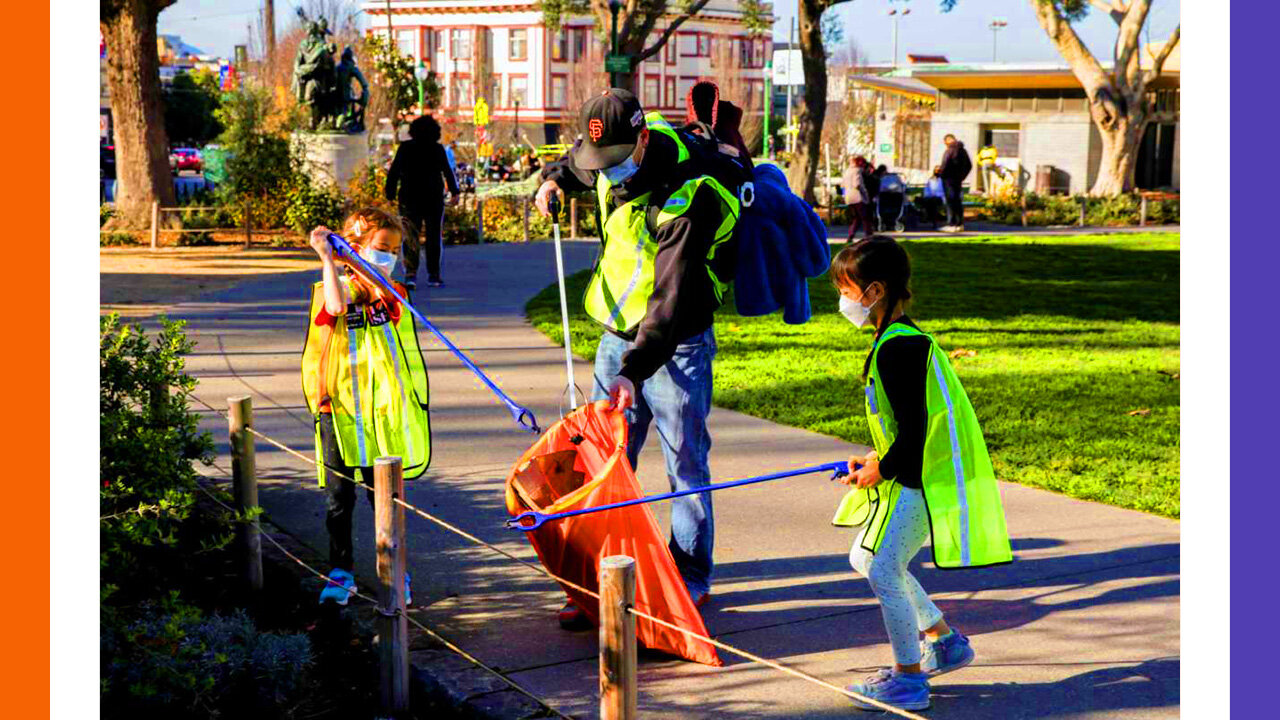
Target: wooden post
155	224
1024	210
244	481
1084	204
248	224
393	628
524	204
480	221
617	638
1143	219
573	218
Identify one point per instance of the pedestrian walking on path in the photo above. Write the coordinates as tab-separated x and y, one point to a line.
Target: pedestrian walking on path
666	260
955	168
365	382
416	181
929	476
857	197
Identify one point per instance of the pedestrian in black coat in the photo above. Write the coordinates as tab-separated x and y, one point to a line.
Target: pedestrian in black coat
416	181
955	168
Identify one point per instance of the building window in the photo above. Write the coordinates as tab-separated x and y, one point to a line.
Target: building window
560	46
1005	141
495	90
683	86
559	91
669	50
518	44
460	91
460	44
579	43
669	93
651	91
688	44
437	46
704	45
518	91
406	43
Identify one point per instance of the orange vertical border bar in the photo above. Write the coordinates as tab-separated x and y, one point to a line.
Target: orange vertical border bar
24	182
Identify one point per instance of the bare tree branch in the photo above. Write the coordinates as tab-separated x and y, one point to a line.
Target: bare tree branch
657	45
1113	8
1157	64
1127	41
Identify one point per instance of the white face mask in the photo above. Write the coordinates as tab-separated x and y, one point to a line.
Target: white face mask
621	172
856	312
384	261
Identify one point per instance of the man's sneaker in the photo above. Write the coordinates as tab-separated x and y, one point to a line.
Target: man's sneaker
435	282
945	654
901	690
410	284
572	617
340	587
699	598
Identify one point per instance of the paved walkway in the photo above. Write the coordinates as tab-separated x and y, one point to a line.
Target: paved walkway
1084	624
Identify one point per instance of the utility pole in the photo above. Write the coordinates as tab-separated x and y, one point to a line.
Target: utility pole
269	26
791	48
996	25
390	35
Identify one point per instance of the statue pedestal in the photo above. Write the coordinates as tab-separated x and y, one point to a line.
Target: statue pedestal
333	158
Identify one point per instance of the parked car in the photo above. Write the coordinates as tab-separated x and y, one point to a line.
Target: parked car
185	159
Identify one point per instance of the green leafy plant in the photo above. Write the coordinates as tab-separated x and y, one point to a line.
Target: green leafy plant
170	659
148	440
311	204
116	239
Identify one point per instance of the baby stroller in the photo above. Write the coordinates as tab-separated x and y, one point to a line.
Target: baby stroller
890	202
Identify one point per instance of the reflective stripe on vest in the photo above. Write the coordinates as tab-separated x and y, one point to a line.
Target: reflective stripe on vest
617	295
966	515
354	349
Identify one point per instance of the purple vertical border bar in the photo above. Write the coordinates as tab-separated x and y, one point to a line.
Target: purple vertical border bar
1254	394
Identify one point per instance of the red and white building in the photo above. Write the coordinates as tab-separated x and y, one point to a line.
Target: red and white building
504	52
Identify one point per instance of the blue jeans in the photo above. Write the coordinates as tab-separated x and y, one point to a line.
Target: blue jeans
678	397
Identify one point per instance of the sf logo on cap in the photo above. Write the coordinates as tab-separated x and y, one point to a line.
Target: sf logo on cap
595	128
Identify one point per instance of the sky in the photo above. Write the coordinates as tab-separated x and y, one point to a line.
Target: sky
216	26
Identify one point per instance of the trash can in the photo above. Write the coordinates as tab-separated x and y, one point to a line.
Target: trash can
1044	179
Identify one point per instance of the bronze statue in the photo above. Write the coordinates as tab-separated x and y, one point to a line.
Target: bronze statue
325	89
352	117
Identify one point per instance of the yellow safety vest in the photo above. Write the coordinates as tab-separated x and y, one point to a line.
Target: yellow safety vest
966	516
371	371
617	295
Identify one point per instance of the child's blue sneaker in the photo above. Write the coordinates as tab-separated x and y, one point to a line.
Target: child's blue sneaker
339	589
901	690
945	654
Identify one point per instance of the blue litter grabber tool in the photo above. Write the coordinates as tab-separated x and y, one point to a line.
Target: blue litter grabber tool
523	416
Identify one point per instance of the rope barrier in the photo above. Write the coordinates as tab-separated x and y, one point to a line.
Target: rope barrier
412	620
569	583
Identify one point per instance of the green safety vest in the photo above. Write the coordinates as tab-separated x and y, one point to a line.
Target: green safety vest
371	371
618	294
966	517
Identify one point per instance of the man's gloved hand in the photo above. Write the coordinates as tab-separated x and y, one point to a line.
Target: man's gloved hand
622	394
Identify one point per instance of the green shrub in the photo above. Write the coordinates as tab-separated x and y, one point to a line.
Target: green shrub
311	204
105	213
1121	210
1114	211
195	238
170	660
116	239
148	440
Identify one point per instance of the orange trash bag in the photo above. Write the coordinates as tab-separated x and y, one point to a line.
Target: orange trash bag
581	462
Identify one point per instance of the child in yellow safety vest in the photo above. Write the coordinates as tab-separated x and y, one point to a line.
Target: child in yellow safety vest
928	476
364	380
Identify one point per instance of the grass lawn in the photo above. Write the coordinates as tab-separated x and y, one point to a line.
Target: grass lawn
1074	371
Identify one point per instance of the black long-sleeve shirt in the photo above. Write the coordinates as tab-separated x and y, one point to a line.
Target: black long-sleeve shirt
683	301
903	364
418	176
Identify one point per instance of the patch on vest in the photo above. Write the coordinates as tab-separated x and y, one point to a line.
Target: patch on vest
378	315
355	317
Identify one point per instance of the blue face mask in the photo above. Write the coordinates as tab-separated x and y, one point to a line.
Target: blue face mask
621	172
384	261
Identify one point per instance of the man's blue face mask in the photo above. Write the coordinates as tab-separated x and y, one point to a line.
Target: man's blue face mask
621	172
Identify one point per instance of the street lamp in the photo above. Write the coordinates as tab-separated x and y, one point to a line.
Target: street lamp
996	25
896	15
421	75
614	7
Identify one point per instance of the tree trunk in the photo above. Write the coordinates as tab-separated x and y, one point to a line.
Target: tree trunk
133	75
1120	143
804	165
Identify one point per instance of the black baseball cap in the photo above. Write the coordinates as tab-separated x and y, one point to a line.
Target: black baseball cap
611	123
